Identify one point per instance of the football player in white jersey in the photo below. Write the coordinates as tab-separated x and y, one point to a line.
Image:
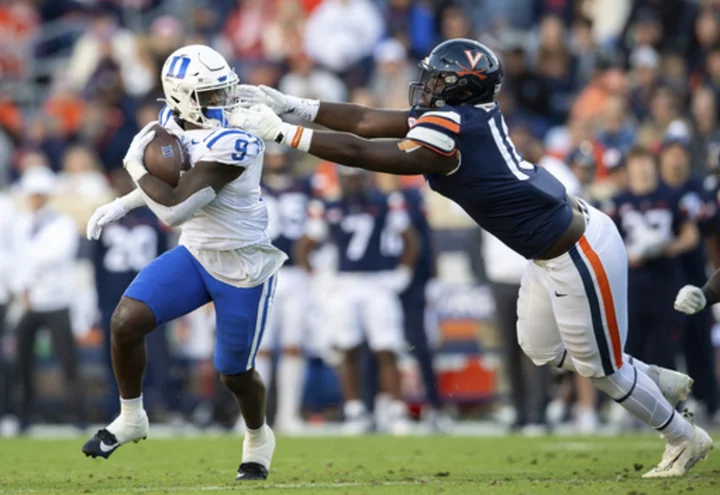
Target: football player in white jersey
224	254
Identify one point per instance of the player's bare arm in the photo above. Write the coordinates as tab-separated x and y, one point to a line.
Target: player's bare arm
394	156
411	247
363	121
201	176
344	117
687	239
301	252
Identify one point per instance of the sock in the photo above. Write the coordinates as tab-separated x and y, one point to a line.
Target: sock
132	415
263	365
256	436
131	410
382	411
396	410
290	387
639	395
354	409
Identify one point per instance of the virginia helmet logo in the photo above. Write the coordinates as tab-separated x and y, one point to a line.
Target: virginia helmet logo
473	58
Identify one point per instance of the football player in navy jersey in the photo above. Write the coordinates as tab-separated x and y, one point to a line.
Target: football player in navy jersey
656	233
124	248
286	198
368	228
572	307
697	204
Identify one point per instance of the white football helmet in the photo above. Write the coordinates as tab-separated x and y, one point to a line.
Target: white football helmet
199	85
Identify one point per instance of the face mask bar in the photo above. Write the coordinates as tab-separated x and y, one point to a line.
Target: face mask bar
215	104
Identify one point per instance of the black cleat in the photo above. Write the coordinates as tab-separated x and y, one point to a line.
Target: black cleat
102	444
251	471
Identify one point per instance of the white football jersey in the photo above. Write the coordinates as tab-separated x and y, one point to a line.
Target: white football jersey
237	218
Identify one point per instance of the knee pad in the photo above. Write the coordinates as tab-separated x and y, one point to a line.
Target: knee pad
620	384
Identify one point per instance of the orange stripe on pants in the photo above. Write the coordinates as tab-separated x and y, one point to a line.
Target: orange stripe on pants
606	295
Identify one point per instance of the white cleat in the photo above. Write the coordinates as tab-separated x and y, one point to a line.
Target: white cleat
357	426
675	386
678	459
400	427
257	457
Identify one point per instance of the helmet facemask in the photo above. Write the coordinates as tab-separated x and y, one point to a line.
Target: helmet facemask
215	104
436	89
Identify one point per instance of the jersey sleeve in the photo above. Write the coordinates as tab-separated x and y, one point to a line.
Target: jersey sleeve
231	147
316	227
437	130
398	219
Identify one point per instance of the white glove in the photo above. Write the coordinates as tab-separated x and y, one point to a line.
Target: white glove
104	215
399	279
690	300
259	120
133	161
278	102
263	122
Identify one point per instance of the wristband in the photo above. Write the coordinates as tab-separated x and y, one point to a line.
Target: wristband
136	170
295	136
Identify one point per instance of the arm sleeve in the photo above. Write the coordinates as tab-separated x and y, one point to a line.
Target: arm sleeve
437	130
232	147
180	213
316	227
132	200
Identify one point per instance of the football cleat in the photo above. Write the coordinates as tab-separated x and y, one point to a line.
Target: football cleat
256	457
679	458
675	386
251	471
104	442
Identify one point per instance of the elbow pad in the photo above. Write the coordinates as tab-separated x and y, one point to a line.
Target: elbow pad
180	213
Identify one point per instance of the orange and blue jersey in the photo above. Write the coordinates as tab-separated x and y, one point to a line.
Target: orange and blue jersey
518	202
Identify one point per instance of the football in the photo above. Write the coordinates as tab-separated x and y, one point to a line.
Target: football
165	157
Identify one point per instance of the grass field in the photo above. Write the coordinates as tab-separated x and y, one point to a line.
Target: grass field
385	465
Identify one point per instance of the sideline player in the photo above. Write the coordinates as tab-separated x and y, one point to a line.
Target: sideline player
572	306
365	225
224	255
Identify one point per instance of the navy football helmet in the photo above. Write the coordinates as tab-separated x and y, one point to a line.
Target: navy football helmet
457	72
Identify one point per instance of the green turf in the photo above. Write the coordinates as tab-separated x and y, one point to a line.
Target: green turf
385	465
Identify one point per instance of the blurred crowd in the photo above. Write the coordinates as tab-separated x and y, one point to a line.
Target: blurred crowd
604	93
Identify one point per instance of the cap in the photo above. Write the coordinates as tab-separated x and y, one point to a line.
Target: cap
349	171
677	133
37	180
645	57
582	155
390	50
613	159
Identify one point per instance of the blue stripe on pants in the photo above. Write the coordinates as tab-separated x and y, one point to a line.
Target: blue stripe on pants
595	313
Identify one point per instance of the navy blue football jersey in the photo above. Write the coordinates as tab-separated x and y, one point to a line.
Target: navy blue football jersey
366	230
518	202
124	248
287	212
698	205
634	215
